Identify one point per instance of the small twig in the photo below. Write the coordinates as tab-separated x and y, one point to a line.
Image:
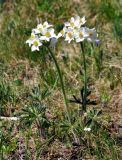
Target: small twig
9	118
115	66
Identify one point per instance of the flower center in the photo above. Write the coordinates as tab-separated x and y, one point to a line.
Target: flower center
32	36
47	34
80	34
75	27
72	24
35	43
69	35
90	34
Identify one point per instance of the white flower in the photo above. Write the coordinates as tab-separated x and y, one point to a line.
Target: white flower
41	27
72	30
35	44
75	22
47	34
87	129
81	34
69	35
30	40
92	35
43	33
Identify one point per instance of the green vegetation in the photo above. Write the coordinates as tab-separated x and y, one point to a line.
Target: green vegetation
30	85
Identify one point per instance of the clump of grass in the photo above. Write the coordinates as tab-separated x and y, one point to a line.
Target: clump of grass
6	98
7	140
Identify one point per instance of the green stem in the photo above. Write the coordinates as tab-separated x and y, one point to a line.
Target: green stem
61	82
85	77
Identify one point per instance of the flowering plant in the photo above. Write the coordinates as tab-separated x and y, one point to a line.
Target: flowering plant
74	30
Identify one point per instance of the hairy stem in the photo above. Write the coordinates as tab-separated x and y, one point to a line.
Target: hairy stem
85	77
63	91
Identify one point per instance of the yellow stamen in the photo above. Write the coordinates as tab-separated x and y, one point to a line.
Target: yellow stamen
80	34
32	36
35	43
90	34
69	35
47	34
75	28
72	24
